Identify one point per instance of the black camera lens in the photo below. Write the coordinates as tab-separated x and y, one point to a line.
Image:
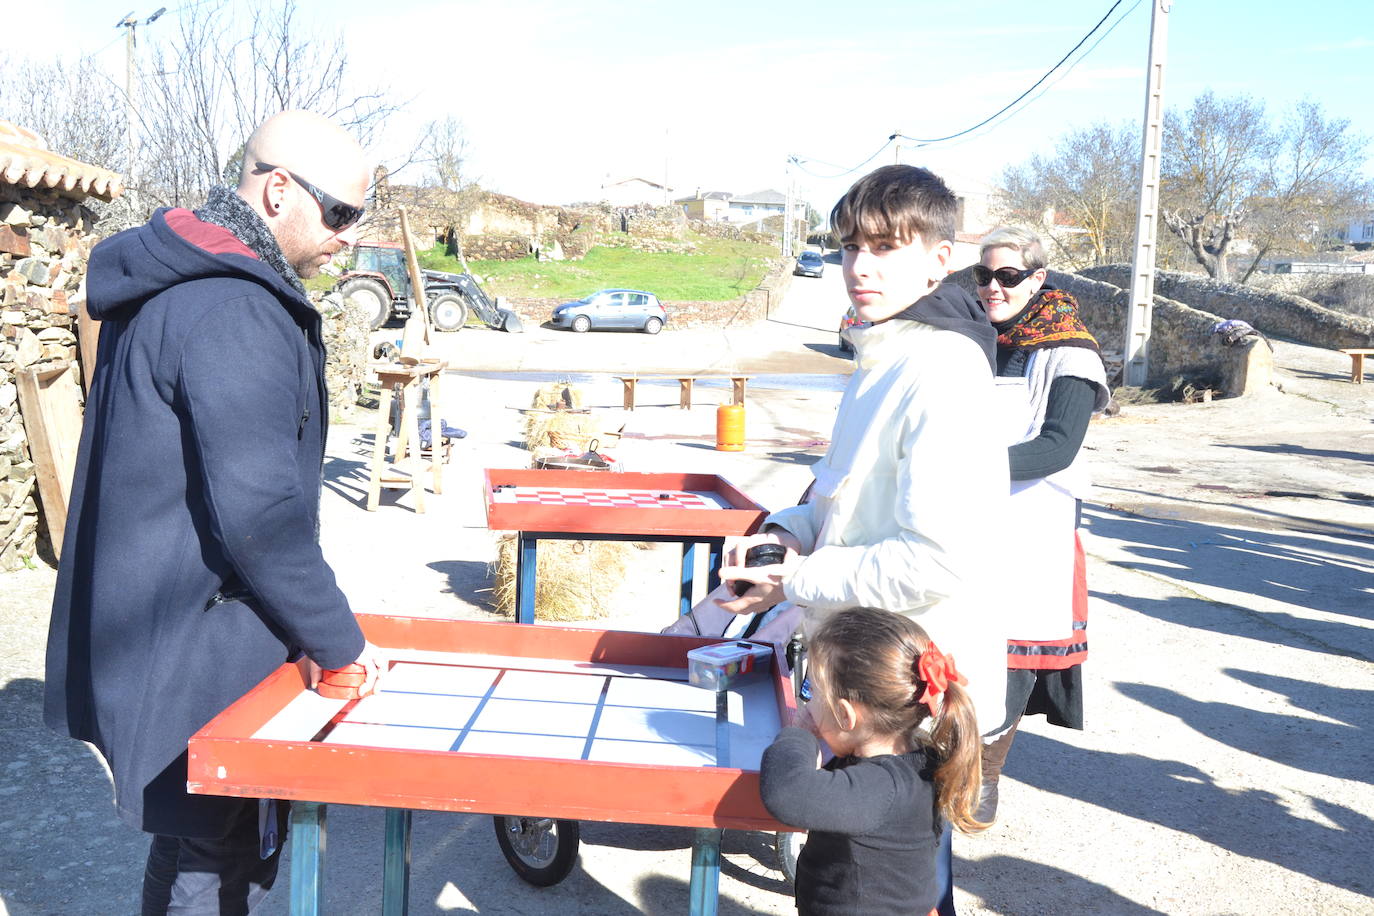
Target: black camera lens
758	555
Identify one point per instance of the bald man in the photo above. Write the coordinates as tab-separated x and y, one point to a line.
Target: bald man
191	569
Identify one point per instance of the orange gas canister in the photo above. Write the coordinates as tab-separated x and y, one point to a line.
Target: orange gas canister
730	428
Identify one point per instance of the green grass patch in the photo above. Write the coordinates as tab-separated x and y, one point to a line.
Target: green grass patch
718	269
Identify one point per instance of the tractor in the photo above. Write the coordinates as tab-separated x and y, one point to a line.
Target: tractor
380	283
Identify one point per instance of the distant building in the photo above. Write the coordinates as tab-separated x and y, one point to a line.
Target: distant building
706	205
627	192
1359	231
744	210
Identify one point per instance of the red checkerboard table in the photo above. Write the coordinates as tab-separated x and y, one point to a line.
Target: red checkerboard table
689	509
626	499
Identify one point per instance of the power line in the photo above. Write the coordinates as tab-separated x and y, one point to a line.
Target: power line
1059	79
798	160
1032	88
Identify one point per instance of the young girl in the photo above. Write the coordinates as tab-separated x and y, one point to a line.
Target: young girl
906	744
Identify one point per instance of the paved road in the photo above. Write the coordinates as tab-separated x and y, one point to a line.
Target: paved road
1226	765
799	337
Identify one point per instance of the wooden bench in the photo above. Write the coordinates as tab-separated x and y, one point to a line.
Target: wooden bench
684	386
1357	355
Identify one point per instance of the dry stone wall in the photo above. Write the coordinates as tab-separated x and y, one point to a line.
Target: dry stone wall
1275	313
45	239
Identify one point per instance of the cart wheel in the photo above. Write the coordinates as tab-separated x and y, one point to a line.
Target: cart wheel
789	846
541	850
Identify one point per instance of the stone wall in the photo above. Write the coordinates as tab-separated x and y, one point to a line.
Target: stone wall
45	239
1275	313
347	344
723	230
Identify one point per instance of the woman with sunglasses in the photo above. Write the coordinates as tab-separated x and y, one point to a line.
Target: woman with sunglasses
1051	381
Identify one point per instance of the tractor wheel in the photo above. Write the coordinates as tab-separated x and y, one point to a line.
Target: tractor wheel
582	324
449	312
372	297
653	326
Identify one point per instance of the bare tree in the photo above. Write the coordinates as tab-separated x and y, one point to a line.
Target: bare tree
1312	184
453	191
1229	176
1082	199
1210	172
68	104
220	76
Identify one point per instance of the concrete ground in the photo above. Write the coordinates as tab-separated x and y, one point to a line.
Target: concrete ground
1226	764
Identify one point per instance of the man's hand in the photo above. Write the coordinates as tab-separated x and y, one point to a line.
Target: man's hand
766	590
359	678
736	548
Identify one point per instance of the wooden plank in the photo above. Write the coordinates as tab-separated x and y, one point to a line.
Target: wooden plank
50	404
88	337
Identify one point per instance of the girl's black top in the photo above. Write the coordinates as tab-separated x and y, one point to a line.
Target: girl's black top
872	822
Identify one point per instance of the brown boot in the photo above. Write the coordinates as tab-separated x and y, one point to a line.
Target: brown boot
994	757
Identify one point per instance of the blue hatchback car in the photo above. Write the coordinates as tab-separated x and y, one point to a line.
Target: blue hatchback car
612	308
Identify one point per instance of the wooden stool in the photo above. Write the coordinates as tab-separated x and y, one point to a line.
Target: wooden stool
396	380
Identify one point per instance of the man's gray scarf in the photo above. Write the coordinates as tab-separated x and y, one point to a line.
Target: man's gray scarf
225	208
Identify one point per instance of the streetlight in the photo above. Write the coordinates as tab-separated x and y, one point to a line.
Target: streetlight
130	22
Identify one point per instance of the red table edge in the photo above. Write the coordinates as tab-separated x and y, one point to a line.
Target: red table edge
530	786
744	518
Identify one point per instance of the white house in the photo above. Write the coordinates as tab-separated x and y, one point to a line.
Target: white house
626	192
739	209
1360	230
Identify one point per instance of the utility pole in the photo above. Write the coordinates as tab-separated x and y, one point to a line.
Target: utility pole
1141	307
130	22
787	211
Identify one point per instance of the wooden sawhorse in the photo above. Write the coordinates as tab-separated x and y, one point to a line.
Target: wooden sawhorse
404	382
684	387
1357	355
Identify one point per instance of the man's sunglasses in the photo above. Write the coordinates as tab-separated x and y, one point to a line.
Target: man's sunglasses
336	214
1007	277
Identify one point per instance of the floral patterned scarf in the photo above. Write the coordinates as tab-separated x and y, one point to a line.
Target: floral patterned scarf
1049	320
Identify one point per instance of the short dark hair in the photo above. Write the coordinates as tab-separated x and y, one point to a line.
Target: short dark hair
897	202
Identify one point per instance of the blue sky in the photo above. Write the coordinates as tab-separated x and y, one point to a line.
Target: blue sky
558	94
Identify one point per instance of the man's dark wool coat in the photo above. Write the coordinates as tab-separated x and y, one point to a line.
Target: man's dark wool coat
191	568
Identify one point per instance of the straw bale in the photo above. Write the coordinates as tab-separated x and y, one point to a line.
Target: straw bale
575	580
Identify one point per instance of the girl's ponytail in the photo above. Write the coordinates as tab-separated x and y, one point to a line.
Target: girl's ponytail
959	747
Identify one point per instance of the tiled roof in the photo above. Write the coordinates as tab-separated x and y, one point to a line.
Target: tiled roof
768	196
26	161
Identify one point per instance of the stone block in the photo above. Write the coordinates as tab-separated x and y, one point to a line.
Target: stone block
8	395
12	214
15	241
58	304
34	270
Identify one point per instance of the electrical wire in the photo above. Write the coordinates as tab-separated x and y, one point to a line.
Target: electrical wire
798	160
1059	79
1032	88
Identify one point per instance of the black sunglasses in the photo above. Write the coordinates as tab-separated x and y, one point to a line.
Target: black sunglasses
1007	277
336	214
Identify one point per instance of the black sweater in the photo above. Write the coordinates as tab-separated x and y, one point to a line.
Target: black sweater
1068	409
873	829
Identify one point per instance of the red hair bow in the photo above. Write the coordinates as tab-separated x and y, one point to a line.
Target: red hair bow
937	671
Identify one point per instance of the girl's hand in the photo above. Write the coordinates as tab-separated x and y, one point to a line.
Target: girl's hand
802	719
